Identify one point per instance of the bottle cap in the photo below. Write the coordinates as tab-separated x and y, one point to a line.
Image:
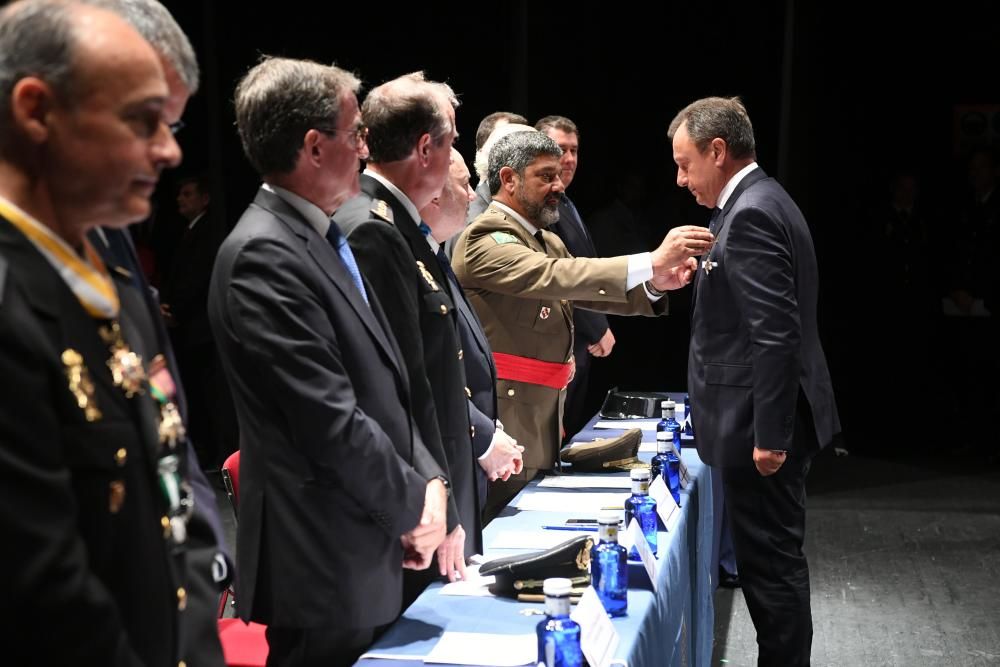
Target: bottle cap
609	517
639	474
557	586
668	404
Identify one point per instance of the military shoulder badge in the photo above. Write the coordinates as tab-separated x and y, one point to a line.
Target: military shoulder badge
380	209
504	237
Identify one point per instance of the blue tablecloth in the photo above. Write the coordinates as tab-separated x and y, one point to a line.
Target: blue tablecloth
670	627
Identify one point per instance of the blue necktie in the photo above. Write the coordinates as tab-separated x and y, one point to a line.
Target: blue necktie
338	241
424	229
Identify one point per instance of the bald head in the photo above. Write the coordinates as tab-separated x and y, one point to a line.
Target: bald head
445	215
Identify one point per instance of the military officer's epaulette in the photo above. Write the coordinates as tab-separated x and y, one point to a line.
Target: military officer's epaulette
504	237
381	210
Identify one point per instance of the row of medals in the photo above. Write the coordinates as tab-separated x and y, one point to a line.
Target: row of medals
129	374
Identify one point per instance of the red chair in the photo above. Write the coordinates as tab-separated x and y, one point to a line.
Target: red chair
242	645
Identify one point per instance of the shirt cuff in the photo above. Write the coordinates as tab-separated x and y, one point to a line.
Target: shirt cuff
653	298
640	269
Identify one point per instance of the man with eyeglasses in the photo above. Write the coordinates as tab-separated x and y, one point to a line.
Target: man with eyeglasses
411	123
337	492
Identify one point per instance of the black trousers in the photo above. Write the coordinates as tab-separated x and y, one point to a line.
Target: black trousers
319	647
768	518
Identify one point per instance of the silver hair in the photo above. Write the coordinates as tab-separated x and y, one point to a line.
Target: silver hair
482	161
156	25
517	151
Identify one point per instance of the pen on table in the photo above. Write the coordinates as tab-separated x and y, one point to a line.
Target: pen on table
586	529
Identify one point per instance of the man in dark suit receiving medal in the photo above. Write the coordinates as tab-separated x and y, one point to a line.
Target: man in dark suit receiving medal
93	459
759	384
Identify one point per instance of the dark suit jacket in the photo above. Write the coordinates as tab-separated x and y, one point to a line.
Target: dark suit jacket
754	340
185	288
422	315
84	583
206	541
332	470
481	374
588	325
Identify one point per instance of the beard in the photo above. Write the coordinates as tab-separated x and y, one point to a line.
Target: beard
540	214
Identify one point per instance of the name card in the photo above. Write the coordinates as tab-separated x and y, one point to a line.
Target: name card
666	506
645	553
598	637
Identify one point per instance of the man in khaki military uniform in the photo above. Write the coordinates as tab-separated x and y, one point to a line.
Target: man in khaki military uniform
523	284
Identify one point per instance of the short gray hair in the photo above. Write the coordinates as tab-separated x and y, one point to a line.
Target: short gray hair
279	100
37	38
481	163
153	21
517	151
717	117
399	112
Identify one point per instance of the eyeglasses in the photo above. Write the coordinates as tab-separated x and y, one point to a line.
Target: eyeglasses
176	127
358	134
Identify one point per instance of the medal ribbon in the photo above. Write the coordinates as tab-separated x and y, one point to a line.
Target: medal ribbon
88	279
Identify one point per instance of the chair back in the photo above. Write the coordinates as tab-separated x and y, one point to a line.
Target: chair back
231	478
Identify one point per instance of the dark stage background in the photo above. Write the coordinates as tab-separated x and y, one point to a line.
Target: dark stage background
840	98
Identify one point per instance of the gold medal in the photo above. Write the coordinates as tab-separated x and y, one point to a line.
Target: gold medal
126	366
80	384
171	428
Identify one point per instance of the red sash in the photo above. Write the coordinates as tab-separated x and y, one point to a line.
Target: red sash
532	371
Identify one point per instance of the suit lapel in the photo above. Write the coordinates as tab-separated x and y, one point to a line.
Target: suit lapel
332	265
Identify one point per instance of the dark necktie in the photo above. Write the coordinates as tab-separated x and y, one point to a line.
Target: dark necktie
715	221
541	240
339	243
456	288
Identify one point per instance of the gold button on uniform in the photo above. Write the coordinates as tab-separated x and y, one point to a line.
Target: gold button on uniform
116	496
444	309
121	456
472	431
510	392
468	392
460	353
165	522
182	598
601	292
182	664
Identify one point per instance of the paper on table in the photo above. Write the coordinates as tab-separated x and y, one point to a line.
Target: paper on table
480	648
473	585
666	506
645	553
644	424
526	539
598	638
580	503
587	482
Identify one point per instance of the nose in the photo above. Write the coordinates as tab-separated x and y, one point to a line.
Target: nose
681	179
166	151
557	185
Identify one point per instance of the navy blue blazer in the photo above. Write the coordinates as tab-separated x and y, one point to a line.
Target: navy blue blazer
754	336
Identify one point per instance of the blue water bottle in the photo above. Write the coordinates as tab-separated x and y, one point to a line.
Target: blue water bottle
558	634
669	422
673	479
609	566
642	508
658	465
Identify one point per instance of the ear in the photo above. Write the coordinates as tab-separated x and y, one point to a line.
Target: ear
507	176
312	147
719	150
424	149
31	102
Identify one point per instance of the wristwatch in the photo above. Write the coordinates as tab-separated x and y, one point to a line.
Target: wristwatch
652	290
